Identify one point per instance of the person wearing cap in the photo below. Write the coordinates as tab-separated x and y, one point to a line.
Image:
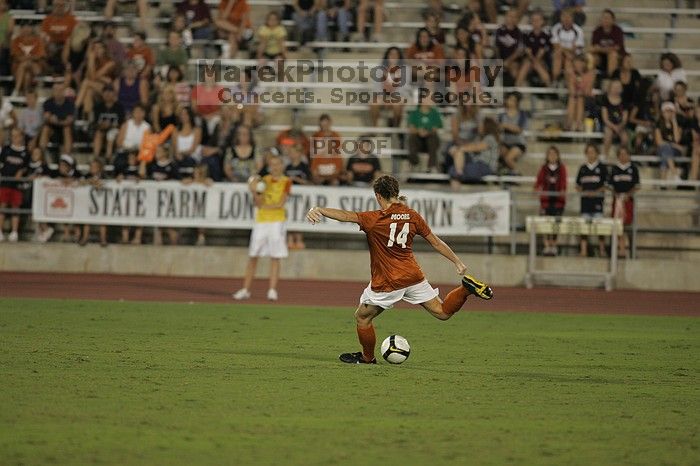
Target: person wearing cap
667	136
58	117
107	119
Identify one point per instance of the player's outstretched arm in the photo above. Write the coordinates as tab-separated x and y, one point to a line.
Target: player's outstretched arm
440	246
316	214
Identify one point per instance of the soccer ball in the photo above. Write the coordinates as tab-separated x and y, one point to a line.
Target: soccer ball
395	349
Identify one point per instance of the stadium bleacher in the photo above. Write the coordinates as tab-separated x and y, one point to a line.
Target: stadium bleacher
651	28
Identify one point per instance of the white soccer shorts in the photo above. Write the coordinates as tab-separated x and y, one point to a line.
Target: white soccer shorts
269	239
414	294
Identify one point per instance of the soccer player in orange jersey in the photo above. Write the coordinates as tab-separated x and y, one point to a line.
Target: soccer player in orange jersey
396	275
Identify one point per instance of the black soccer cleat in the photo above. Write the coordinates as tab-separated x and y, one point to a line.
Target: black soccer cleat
356	358
475	287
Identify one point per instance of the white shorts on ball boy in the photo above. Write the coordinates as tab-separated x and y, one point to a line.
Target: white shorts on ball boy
269	239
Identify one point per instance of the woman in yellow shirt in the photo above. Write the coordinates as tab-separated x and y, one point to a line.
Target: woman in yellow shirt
271	38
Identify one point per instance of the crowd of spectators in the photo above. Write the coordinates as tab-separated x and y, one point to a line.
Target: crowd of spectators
110	93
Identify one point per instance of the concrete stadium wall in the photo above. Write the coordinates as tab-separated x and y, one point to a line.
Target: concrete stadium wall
503	270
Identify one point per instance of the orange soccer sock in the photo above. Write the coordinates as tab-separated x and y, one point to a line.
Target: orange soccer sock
454	300
367	339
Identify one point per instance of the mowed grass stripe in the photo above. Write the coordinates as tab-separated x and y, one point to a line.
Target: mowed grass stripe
155	383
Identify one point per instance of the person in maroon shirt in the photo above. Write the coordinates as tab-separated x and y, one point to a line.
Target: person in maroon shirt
198	18
608	43
537	50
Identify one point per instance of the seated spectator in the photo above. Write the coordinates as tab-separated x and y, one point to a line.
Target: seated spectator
579	82
424	49
513	122
432	24
326	162
378	10
173	54
297	169
8	117
472	161
206	102
28	57
491	7
389	88
117	50
242	160
99	72
668	141
462	80
58	118
576	8
363	167
568	41
248	110
7	24
614	115
608	43
30	120
630	78
187	138
131	88
551	182
75	49
685	112
305	20
423	125
198	18
670	72
14	165
141	8
162	168
94	179
463	40
175	79
624	181
180	27
537	50
132	131
509	45
234	24
643	117
108	118
271	38
57	26
215	143
165	110
466	124
141	55
292	136
591	182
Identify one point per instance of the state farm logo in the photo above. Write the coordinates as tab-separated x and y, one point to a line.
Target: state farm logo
58	203
480	215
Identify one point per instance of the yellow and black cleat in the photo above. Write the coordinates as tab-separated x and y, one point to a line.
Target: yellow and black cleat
477	288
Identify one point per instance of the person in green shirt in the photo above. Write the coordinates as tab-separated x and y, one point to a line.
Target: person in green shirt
423	125
174	54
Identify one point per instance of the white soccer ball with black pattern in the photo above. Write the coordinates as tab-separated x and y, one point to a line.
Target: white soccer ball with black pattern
395	349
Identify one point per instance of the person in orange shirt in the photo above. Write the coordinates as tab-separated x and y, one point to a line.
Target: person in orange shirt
28	57
57	27
234	23
326	162
142	55
396	274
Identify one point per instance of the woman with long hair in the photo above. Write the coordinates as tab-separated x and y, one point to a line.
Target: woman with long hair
551	183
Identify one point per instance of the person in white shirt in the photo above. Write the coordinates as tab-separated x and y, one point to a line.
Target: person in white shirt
567	41
670	72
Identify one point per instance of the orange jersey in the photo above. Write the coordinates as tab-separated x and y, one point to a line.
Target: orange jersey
390	235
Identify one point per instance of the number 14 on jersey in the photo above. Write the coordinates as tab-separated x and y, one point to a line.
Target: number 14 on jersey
402	237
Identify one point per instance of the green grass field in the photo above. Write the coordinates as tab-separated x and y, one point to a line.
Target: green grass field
152	383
